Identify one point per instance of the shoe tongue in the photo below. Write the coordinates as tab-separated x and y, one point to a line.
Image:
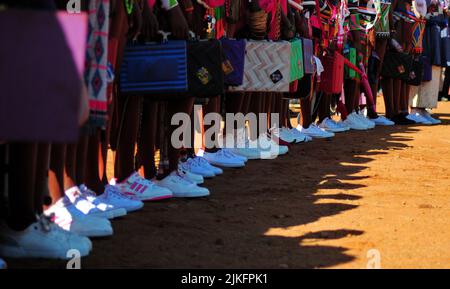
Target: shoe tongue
73	194
63	202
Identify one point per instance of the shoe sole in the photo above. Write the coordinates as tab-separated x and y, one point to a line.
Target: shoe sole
187	195
14	252
95	234
106	215
385	124
336	130
207	176
229	165
315	136
117	213
352	128
156	198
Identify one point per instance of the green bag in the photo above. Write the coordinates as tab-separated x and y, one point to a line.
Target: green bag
350	73
297	69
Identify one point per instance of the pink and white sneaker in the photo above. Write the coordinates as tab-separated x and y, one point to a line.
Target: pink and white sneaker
142	189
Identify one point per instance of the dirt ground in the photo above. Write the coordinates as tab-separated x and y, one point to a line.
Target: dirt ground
324	205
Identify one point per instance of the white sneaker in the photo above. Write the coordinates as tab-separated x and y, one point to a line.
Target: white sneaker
113	196
315	132
383	121
101	205
247	151
418	118
425	114
69	218
330	125
3	264
353	122
269	149
220	158
143	189
76	197
370	124
342	125
299	136
193	178
205	164
280	149
41	239
193	165
232	154
182	188
282	133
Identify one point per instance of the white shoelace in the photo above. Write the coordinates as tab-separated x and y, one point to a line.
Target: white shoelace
114	192
180	179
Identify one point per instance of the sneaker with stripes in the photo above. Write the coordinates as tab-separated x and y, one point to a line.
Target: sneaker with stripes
143	189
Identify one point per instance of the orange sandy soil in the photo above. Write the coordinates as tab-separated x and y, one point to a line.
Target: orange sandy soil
324	205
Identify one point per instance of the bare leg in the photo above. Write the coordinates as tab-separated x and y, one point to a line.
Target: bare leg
186	106
324	107
95	166
381	45
70	166
42	167
56	172
397	89
388	95
130	111
147	141
305	107
22	185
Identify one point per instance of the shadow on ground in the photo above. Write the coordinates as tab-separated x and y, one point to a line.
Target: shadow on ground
229	229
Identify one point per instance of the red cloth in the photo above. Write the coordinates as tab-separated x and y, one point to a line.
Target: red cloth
151	3
214	3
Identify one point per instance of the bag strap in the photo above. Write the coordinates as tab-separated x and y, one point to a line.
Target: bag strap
318	14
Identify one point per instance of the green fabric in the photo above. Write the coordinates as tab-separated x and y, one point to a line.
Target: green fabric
350	73
297	69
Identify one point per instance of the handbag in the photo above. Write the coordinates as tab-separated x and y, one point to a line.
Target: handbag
233	64
396	65
205	72
416	73
297	68
267	67
154	69
308	53
332	79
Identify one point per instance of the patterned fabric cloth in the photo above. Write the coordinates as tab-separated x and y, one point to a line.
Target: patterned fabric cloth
382	25
413	30
169	4
95	75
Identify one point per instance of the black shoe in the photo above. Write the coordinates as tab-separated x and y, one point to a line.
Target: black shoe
400	119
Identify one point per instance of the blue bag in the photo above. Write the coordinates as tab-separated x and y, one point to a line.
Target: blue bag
154	68
233	65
